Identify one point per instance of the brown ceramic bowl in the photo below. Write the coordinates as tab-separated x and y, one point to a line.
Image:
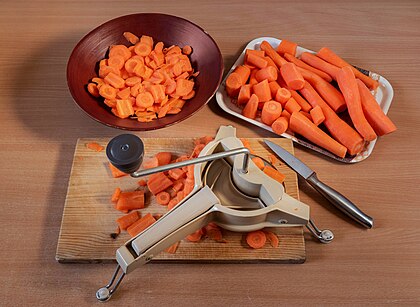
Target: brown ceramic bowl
171	30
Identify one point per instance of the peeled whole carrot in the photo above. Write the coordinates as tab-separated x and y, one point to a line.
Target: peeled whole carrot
328	55
300	63
262	91
269	50
338	128
328	92
301	101
292	76
256	239
303	126
281	124
317	115
287	46
320	64
348	86
270	112
251	107
381	123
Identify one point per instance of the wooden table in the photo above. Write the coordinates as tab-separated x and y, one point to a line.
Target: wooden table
40	125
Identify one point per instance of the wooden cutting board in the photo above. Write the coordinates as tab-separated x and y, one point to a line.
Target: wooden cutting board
89	216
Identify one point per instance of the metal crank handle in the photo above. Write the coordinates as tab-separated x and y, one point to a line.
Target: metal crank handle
340	201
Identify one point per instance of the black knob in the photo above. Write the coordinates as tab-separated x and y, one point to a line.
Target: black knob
125	152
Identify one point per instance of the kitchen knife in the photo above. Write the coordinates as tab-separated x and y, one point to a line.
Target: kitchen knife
337	199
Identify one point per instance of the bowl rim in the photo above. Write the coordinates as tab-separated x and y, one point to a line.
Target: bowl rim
154	127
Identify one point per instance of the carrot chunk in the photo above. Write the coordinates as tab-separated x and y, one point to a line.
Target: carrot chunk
256	239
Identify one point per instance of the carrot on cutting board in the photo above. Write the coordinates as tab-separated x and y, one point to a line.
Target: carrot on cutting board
381	123
338	128
94	146
116	173
251	107
116	195
158	183
329	56
270	112
172	249
301	64
195	236
214	232
128	201
150	163
163	158
127	220
317	115
269	50
287	46
348	86
320	64
272	238
292	76
256	239
281	124
302	125
262	91
258	162
273	173
326	90
141	224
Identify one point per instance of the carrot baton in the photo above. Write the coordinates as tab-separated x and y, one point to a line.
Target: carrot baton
348	86
302	64
329	56
302	125
381	123
338	128
320	64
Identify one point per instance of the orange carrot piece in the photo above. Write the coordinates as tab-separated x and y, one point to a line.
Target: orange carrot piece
145	100
269	73
116	61
251	107
105	70
114	80
273	173
172	249
273	159
274	87
269	50
233	84
195	236
163	198
163	158
130	201
262	91
328	55
282	95
93	89
127	220
214	232
176	173
124	108
244	73
301	101
327	91
320	64
133	64
271	63
140	225
338	128
131	81
300	63
307	115
159	183
94	146
142	183
381	123
107	91
256	239
281	124
292	76
131	38
270	112
317	115
142	49
292	106
172	203
244	94
116	173
187	50
272	238
287	46
348	86
302	125
119	50
197	149
158	92
256	61
124	93
258	162
259	53
116	195
150	163
183	87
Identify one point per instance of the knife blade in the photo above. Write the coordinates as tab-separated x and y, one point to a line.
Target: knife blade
337	199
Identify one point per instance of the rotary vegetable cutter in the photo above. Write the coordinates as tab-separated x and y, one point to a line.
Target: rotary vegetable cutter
229	190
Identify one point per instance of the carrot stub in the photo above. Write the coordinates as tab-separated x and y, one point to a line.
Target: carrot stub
282	95
262	91
256	61
158	183
244	94
292	76
256	239
251	107
270	112
130	201
292	106
317	115
287	46
244	72
281	124
269	73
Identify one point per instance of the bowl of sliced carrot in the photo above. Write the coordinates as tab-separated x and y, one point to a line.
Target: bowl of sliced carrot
144	71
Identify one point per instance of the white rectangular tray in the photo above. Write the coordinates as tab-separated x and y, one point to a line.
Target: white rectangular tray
383	96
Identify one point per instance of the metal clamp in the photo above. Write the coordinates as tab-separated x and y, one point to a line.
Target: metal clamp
324	236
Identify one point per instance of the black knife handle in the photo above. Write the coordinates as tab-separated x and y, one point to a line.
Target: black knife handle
340	201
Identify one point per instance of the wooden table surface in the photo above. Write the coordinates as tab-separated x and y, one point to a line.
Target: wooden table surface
40	124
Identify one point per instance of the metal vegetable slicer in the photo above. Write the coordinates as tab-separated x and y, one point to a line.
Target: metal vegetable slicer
229	190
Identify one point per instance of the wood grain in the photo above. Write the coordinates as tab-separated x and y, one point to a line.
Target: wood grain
89	217
40	125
